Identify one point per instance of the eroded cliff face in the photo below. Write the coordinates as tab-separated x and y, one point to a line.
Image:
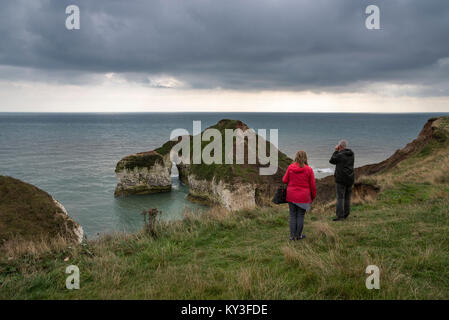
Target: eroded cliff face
143	173
76	228
230	196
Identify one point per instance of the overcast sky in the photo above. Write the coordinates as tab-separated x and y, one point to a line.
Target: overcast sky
224	55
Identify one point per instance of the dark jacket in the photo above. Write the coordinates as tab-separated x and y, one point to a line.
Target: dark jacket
344	171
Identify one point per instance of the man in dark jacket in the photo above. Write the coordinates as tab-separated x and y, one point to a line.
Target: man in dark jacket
343	158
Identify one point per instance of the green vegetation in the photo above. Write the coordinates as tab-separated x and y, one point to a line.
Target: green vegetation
26	212
204	199
166	148
228	124
246	255
229	173
428	165
143	189
438	140
221	172
140	160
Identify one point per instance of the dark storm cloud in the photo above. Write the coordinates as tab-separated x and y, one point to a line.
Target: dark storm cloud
252	44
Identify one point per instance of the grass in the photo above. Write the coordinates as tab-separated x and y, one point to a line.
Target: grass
429	166
28	212
230	173
140	160
246	255
166	147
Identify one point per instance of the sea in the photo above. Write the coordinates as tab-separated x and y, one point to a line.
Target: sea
73	156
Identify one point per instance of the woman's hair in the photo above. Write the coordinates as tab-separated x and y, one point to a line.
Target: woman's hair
301	158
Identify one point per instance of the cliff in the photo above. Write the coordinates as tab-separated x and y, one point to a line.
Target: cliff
29	213
425	153
233	186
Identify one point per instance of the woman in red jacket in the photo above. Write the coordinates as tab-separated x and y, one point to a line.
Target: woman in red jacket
301	191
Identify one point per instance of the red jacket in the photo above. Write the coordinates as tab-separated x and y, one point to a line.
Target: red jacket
301	184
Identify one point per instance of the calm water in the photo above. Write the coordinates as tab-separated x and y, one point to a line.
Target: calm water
73	156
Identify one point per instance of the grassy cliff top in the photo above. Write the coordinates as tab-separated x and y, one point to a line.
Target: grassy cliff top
139	160
145	159
247	255
237	172
424	160
29	213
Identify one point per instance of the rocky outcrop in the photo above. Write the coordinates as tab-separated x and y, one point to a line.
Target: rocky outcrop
143	173
29	213
233	186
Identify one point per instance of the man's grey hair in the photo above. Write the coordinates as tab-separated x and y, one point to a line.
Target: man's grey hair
343	143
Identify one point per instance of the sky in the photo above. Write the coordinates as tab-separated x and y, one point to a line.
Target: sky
233	55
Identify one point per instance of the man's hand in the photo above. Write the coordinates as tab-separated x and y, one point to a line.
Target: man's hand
337	147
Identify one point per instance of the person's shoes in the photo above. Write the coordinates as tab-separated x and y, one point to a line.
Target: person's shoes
292	239
338	219
303	236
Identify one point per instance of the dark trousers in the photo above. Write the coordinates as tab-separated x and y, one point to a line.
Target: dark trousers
296	220
343	200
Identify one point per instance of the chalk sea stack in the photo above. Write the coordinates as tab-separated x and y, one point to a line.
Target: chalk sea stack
29	213
145	173
233	186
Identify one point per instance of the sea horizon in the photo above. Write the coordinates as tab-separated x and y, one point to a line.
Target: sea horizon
215	112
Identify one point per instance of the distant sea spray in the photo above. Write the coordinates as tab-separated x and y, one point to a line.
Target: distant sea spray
323	170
